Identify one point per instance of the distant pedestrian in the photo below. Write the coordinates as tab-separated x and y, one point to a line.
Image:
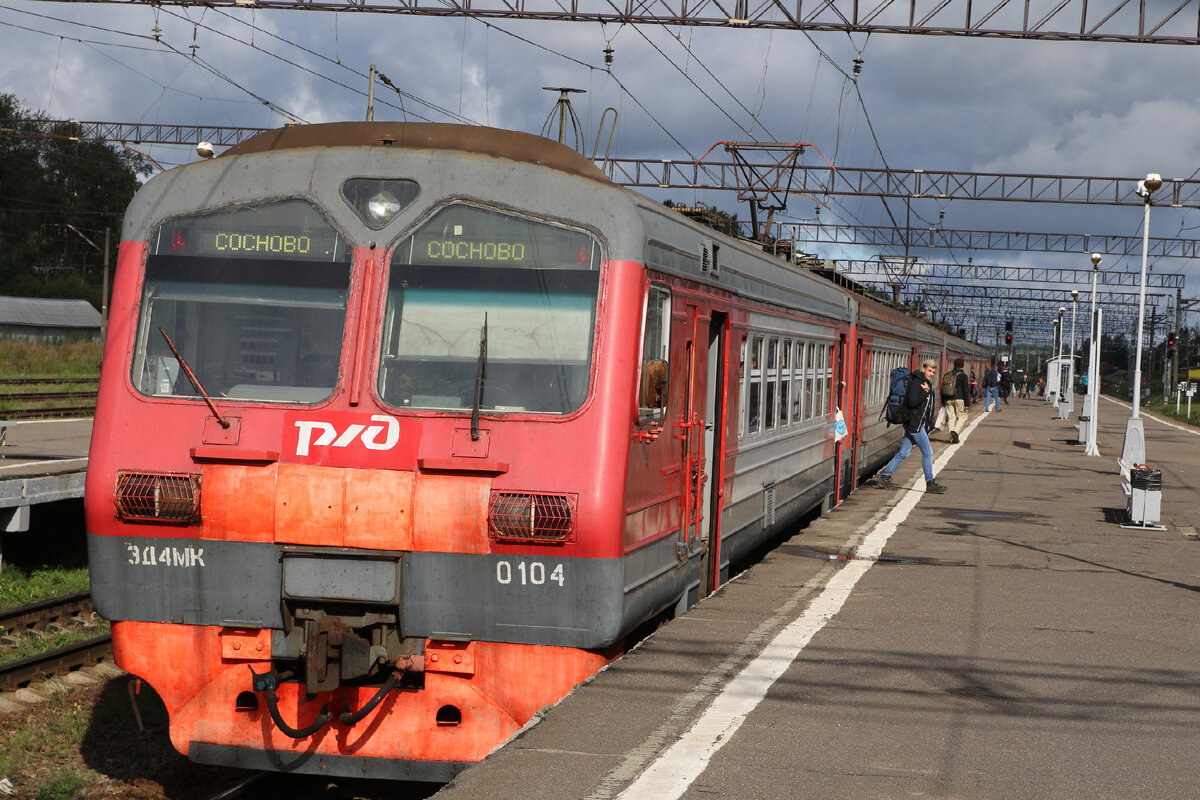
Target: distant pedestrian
991	387
1006	383
956	398
918	403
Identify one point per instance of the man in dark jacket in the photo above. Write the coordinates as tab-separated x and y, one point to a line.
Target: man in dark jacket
958	400
918	402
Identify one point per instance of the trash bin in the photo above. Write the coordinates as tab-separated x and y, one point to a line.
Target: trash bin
1145	497
1083	428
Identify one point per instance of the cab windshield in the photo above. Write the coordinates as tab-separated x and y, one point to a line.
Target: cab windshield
254	300
479	299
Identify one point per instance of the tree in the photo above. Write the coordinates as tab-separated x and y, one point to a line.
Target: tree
58	194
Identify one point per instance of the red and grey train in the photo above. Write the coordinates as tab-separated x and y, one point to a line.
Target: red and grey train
404	428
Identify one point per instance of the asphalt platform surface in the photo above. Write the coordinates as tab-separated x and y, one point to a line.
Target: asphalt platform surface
1009	640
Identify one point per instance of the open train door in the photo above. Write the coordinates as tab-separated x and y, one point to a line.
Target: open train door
711	494
700	433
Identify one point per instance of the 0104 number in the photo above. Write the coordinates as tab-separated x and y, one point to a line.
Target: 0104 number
529	573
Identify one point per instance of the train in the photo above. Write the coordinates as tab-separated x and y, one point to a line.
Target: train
404	429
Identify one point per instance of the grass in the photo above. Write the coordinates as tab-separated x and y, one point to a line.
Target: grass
51	740
21	586
75	359
44	644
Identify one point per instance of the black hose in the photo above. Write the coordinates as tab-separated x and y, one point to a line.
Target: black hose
348	718
301	733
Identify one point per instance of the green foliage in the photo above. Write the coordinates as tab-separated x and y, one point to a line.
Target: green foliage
20	586
22	359
60	193
67	785
35	645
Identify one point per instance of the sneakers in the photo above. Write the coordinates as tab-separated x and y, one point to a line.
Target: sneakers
954	437
885	482
934	487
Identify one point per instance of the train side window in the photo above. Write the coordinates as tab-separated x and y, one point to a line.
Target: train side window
770	379
798	383
652	394
785	379
742	388
754	403
809	354
826	402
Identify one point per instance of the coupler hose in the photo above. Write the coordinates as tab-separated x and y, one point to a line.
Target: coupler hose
266	683
348	718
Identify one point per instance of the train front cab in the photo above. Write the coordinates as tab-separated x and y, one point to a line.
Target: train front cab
330	518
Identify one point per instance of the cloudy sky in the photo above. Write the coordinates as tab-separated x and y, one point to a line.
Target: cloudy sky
936	103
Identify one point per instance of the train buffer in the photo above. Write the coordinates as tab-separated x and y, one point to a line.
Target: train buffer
1010	639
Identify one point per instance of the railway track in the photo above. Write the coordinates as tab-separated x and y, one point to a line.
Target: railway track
71	399
20	624
39	616
19	674
44	413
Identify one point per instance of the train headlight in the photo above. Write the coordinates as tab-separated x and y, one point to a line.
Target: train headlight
382	207
531	517
157	497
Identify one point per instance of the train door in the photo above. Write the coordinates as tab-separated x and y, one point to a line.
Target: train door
700	438
854	413
716	386
844	483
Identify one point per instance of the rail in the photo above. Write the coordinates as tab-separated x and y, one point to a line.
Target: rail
17	623
18	674
37	616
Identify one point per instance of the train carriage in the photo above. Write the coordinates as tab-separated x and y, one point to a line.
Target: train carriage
404	428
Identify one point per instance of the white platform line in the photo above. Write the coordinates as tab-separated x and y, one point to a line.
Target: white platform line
677	767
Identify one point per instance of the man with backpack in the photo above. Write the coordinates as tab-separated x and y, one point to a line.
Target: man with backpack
956	398
917	411
991	387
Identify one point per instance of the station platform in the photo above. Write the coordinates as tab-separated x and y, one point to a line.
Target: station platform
1006	639
41	461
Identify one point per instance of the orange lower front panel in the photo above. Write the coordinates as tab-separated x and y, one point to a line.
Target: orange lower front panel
504	687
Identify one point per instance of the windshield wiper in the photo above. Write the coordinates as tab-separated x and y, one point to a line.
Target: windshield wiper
191	376
480	375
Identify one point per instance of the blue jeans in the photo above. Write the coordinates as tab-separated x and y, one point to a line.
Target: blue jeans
993	394
921	440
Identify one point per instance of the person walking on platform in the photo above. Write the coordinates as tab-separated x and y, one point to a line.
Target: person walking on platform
991	387
956	398
918	403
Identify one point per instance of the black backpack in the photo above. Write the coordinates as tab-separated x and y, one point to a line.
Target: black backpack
895	410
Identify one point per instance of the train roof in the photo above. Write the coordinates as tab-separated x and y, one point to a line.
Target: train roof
512	145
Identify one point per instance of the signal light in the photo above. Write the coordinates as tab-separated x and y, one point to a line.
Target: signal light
1008	338
1170	340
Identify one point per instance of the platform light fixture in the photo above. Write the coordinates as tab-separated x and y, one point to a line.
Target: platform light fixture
1091	399
1133	451
1146	187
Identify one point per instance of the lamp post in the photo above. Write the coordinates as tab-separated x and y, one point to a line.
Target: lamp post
1146	188
1058	358
1070	378
1133	452
1091	400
